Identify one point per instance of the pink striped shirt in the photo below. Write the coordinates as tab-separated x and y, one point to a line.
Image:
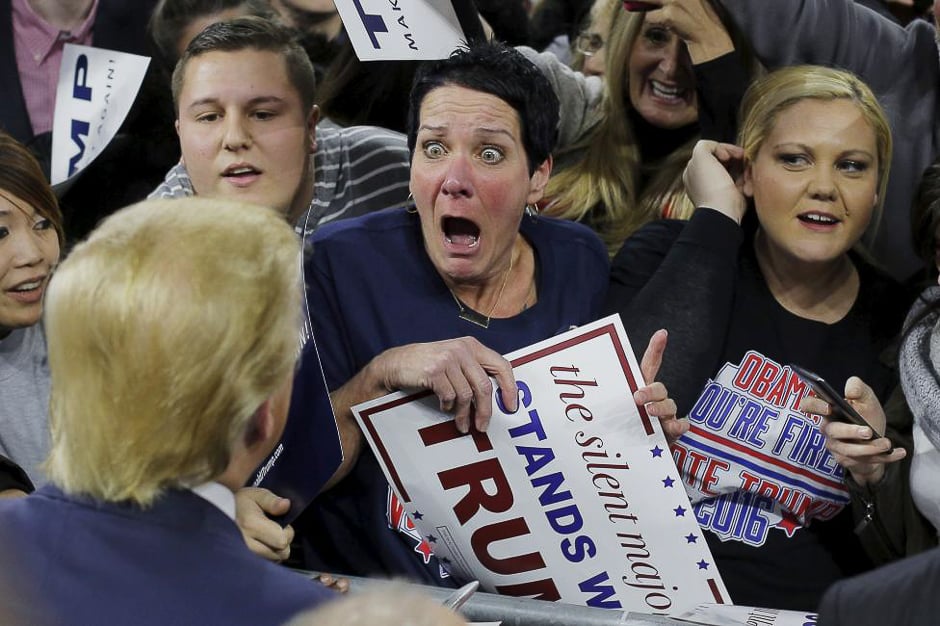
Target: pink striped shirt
38	57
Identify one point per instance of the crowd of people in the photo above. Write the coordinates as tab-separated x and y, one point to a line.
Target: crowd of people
744	182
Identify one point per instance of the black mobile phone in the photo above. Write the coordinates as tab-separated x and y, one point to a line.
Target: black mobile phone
842	411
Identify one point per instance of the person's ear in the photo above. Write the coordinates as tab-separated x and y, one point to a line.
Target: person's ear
260	425
747	180
176	125
539	180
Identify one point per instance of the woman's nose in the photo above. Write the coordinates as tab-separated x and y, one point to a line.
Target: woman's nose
457	179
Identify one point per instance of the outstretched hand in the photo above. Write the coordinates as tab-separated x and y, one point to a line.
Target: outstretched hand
458	371
859	449
654	396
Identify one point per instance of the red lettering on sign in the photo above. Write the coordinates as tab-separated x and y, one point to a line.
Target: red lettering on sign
485	536
473	476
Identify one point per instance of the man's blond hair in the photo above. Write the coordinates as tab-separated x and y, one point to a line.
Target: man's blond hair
167	329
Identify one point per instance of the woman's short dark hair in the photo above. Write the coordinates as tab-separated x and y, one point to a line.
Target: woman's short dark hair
21	175
501	71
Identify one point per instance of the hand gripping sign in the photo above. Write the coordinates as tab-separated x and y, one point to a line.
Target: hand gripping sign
95	92
574	497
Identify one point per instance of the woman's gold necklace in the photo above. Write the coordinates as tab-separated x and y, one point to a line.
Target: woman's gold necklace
469	315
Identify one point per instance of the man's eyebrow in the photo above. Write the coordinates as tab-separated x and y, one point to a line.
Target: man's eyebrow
252	102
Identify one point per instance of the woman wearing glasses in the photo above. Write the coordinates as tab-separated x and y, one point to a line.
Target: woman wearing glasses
589	46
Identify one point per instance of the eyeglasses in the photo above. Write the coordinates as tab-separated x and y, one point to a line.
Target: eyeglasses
589	44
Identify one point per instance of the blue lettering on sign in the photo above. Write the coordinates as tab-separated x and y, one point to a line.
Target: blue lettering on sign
80	89
564	520
601	592
79	129
372	22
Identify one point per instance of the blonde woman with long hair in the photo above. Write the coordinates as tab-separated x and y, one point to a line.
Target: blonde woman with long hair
625	139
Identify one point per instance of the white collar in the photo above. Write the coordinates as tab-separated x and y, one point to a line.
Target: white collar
219	495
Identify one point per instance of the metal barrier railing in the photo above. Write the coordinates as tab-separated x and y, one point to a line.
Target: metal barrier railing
510	611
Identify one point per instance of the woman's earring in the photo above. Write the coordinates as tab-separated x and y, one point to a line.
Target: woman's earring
531	210
410	201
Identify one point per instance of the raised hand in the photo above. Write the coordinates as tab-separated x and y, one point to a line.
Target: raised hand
711	178
697	24
654	396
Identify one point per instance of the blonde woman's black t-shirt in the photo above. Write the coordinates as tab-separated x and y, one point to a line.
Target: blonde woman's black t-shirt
765	489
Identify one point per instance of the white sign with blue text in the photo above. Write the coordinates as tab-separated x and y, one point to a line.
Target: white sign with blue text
574	497
95	92
397	30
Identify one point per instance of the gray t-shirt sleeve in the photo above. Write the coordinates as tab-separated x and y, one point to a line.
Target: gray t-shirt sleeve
581	97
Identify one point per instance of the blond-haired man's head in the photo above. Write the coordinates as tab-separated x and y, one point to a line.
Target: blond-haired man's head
172	336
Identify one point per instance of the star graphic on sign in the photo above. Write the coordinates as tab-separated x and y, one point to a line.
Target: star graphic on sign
690	538
657	452
702	564
667	482
432	539
418	515
680	512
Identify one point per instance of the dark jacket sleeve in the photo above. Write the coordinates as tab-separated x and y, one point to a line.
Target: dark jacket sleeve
12	476
836	33
901	593
681	278
721	84
887	521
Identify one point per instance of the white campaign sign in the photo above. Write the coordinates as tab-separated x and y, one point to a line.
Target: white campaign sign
714	615
575	497
95	92
401	29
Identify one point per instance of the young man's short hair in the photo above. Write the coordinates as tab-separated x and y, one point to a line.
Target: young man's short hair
251	33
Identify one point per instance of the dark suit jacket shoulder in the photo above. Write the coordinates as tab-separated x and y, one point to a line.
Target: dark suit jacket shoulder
181	561
904	592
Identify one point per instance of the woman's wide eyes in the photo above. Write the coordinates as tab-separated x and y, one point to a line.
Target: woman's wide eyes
433	149
487	154
491	155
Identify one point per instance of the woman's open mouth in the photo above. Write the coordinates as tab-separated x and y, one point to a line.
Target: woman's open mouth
817	220
460	232
669	93
28	292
